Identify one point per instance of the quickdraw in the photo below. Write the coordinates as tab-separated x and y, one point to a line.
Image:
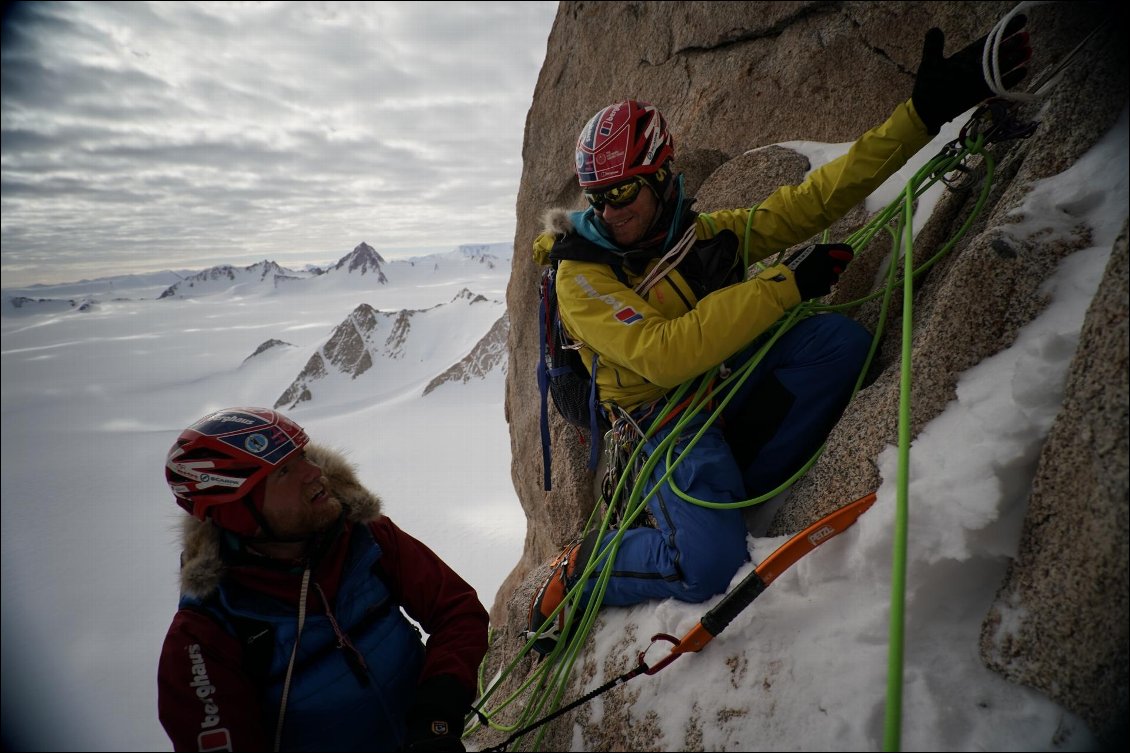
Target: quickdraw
993	122
996	121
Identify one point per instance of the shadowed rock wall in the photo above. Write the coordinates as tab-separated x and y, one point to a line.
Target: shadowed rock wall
734	76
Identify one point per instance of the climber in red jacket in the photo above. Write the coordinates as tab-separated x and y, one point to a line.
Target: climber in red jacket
290	634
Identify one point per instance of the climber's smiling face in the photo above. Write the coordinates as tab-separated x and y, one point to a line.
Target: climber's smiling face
627	210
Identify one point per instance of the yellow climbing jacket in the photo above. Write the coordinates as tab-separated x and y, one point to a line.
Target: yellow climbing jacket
649	344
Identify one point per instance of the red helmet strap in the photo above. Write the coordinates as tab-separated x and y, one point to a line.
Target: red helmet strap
244	517
254	504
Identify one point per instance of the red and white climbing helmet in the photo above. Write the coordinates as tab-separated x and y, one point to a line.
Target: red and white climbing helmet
622	141
222	457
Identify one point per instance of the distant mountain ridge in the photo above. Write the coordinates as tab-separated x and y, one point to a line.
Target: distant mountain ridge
393	350
361	268
109	285
489	254
221	278
396	341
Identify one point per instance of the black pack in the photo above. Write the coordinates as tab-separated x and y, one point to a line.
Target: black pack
566	377
562	375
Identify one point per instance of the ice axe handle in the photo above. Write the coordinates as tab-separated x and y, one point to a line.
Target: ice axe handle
754	584
724	612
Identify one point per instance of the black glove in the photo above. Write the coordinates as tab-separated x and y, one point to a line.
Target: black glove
818	267
435	722
946	87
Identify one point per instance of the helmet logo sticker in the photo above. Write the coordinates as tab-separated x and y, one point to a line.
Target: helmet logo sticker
603	157
270	443
219	424
256	443
204	480
233	418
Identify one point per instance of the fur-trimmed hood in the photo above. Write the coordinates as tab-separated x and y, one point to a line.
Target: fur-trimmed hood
202	566
556	223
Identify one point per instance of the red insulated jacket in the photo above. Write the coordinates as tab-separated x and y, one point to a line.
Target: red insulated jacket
228	708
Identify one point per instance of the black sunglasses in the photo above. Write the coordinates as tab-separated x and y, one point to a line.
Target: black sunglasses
618	196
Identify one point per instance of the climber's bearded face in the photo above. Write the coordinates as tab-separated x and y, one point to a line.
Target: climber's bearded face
628	222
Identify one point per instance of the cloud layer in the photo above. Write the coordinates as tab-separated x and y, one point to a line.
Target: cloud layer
141	136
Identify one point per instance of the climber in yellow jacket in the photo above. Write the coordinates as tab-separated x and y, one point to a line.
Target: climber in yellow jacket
678	335
656	295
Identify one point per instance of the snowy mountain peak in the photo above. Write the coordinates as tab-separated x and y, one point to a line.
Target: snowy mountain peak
486	250
223	277
363	260
268	345
393	352
266	267
489	353
487	254
467	295
347	351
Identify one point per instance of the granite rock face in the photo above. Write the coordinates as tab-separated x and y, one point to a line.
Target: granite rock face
1069	580
734	79
488	353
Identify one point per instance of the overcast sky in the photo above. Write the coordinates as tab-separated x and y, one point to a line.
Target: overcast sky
140	136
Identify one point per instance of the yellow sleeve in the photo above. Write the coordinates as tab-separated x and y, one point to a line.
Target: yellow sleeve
792	214
543	244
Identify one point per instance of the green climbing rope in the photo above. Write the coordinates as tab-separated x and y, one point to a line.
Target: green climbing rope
544	687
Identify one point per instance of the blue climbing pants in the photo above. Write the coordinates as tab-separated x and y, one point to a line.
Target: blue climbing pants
781	415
